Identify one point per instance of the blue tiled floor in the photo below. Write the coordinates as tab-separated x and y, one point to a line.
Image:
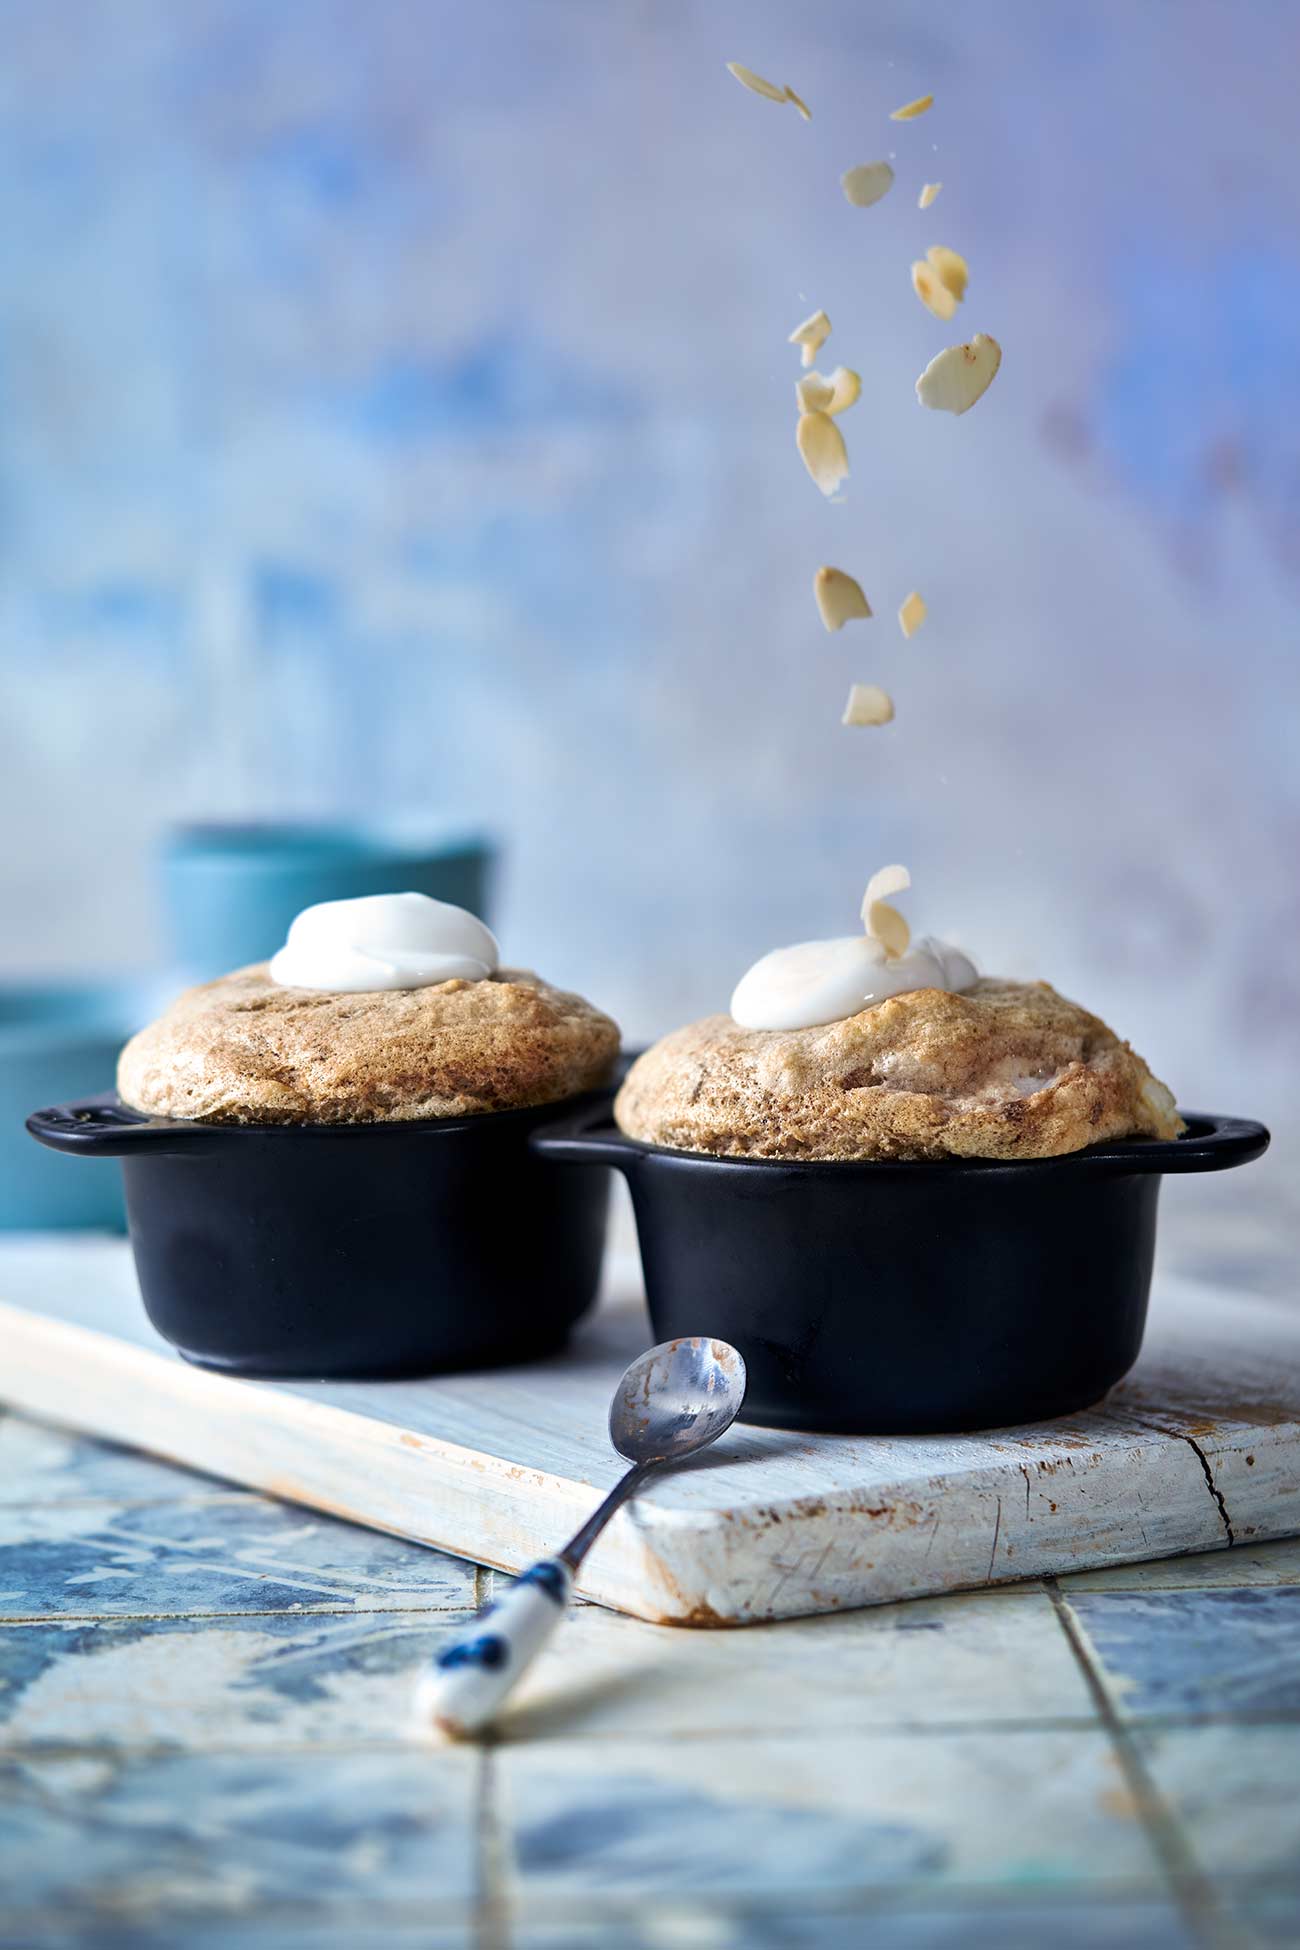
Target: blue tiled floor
205	1740
234	1554
1199	1652
223	1834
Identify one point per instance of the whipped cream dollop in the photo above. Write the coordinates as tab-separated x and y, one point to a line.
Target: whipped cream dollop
384	941
817	982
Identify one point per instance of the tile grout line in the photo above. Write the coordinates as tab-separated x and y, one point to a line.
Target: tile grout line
44	1748
1188	1885
162	1500
866	1901
24	1621
491	1901
491	1895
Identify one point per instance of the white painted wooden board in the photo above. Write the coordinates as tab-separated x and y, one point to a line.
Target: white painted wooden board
1199	1448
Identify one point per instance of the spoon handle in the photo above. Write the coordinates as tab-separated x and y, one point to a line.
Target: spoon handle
469	1679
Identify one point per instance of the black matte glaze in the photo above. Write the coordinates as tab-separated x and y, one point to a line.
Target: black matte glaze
350	1250
888	1299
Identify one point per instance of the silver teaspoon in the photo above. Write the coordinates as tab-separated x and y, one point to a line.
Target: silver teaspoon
672	1402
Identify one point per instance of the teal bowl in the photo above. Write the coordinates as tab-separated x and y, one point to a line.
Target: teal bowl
230	891
58	1040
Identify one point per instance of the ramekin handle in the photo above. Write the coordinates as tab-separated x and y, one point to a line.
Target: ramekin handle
592	1138
471	1677
1211	1142
103	1127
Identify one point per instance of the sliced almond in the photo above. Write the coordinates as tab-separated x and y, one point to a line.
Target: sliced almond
883	883
847	386
932	291
813	333
755	83
911	614
868	704
829	393
884	923
887	926
952	269
814	393
821	445
910	110
957	377
928	193
839	598
802	107
867	183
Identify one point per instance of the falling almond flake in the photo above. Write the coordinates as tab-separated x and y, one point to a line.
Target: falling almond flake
812	334
847	386
886	925
867	183
755	82
911	614
839	598
884	882
957	377
767	89
932	291
910	110
832	393
868	704
928	193
952	268
821	445
814	394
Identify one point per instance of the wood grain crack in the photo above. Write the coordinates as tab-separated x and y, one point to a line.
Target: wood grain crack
997	1532
1213	1487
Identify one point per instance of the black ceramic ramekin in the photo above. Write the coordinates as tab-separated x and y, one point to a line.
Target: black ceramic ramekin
351	1249
888	1299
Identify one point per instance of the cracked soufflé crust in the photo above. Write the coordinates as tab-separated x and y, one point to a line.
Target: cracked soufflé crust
243	1050
1005	1070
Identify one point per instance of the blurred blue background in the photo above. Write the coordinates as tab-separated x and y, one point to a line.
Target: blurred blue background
396	418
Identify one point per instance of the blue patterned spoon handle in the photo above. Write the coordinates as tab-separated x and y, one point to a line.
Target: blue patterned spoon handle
470	1677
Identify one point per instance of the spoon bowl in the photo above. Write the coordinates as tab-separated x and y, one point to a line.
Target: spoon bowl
675	1399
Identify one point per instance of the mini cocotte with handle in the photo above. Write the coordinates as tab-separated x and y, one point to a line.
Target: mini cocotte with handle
350	1249
907	1298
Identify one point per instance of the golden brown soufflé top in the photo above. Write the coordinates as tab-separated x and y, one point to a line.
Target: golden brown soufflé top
1004	1070
243	1050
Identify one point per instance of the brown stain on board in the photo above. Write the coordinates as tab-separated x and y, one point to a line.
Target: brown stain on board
1211	1418
696	1615
701	1617
810	1509
1057	1439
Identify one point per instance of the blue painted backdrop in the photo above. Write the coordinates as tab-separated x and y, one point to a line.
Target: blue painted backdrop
395	413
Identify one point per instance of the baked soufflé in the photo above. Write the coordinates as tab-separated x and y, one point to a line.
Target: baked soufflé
247	1050
1002	1070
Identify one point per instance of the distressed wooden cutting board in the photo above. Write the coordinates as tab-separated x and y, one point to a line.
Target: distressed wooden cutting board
1199	1449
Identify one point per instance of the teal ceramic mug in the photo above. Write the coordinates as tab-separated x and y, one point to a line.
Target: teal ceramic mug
230	891
59	1040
